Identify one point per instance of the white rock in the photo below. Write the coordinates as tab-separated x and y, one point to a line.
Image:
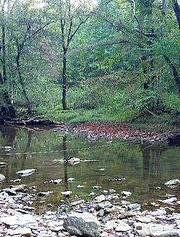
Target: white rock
175	216
20	231
159	212
158	230
75	203
126	193
110	225
100	198
104	234
74	161
134	207
172	183
19	219
2	177
145	219
71	180
80	186
26	172
56	181
169	200
45	193
142	229
8	148
122	227
66	193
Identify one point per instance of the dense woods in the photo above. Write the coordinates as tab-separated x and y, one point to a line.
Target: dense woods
90	60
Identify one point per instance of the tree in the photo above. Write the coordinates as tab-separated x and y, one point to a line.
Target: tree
24	29
70	18
7	108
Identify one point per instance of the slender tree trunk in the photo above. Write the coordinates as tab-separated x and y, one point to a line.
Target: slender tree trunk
7	109
28	103
146	155
4	53
176	9
174	71
64	80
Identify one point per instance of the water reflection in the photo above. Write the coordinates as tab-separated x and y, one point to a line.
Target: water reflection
8	134
27	147
146	155
144	166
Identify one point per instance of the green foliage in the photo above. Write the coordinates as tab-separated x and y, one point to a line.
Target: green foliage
116	69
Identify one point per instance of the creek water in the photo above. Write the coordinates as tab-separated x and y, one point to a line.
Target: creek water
120	165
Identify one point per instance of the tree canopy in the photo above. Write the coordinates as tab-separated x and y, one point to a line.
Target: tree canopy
116	58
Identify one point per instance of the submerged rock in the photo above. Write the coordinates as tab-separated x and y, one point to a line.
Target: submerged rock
3	164
71	180
43	194
126	194
169	200
25	173
172	183
82	224
54	181
134	207
2	177
74	161
66	193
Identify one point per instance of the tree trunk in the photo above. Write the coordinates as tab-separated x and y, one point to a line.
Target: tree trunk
7	109
64	80
28	103
4	53
174	71
176	9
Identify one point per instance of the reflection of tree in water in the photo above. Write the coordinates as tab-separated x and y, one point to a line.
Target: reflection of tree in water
28	144
9	135
65	158
152	159
146	154
156	157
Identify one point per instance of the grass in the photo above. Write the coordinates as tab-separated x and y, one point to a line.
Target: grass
82	115
158	123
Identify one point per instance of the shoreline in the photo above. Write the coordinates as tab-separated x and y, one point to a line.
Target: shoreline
105	129
106	215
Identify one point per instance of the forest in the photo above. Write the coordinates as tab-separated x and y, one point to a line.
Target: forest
77	61
89	118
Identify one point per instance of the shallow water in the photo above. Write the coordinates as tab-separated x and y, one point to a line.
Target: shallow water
145	167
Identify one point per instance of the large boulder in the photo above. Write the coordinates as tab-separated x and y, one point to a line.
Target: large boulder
82	224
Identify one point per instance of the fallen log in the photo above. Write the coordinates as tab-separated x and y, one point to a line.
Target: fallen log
32	122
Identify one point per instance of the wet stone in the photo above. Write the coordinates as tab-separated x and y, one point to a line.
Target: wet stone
172	183
2	177
25	173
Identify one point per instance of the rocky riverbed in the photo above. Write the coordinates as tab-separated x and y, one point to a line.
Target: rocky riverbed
105	215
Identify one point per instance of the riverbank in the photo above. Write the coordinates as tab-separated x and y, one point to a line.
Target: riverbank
107	215
107	129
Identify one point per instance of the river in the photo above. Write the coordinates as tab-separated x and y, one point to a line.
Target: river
141	169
